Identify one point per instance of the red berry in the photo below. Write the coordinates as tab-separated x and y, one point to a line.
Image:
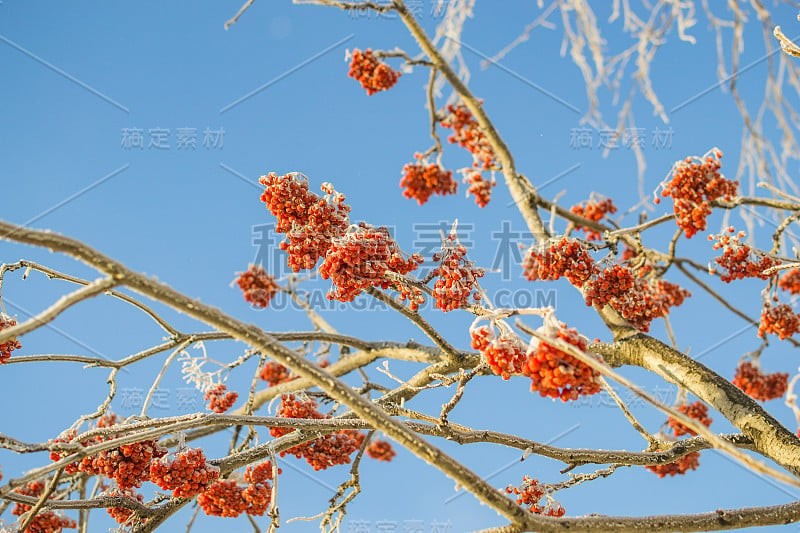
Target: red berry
374	75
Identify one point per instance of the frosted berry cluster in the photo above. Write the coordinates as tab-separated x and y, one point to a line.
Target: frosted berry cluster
361	258
610	283
649	299
468	134
529	493
688	462
380	450
504	353
421	181
11	344
562	257
479	187
258	286
186	475
122	514
593	210
695	184
309	221
557	374
128	465
373	74
738	260
44	521
697	410
758	385
326	451
457	276
219	398
275	373
790	281
228	498
779	320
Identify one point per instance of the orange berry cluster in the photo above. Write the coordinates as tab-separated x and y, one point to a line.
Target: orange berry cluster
128	465
309	221
480	188
374	75
529	493
791	281
505	354
274	373
648	300
565	257
421	181
328	450
760	386
697	410
229	499
779	320
738	260
608	284
258	286
122	514
44	521
468	134
458	276
688	462
187	475
593	210
361	258
696	183
11	344
380	450
555	373
220	398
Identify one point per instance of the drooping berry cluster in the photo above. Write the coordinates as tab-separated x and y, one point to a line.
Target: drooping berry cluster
128	465
695	184
186	475
593	210
220	398
274	373
229	499
374	75
457	276
122	514
688	462
420	181
563	257
557	374
758	385
697	410
361	258
779	320
44	521
790	281
529	493
468	134
309	221
11	344
738	260
649	299
381	450
326	451
505	354
610	283
258	286
479	187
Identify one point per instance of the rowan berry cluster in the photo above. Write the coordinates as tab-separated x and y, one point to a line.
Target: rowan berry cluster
44	521
610	283
128	464
228	498
420	181
688	462
529	493
457	275
779	320
593	210
468	134
557	374
11	344
361	258
562	257
505	354
186	475
738	259
381	450
105	421
309	221
122	514
790	281
374	75
479	187
275	373
758	385
219	398
328	450
258	286
695	184
649	299
697	410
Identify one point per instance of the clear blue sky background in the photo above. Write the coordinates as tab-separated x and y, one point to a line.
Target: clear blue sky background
75	78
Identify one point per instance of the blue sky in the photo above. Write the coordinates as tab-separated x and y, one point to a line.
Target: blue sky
272	94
